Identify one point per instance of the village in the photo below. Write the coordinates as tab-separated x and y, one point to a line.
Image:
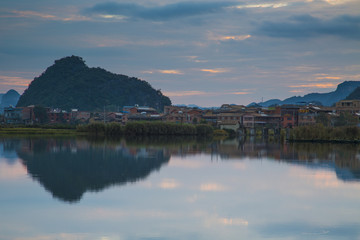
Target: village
228	116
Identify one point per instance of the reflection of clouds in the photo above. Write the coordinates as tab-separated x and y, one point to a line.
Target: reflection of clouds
325	179
146	184
212	187
107	214
192	198
214	220
308	230
169	184
59	236
183	163
319	178
8	172
233	221
240	165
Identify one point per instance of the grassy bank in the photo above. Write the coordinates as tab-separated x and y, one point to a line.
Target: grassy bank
112	129
319	133
36	131
146	129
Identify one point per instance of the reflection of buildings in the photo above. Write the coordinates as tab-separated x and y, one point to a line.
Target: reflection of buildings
342	158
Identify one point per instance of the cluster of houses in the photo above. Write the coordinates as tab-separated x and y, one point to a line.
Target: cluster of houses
227	116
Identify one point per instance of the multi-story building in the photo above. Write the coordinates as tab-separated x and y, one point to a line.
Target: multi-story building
182	114
351	106
139	109
289	116
13	115
58	116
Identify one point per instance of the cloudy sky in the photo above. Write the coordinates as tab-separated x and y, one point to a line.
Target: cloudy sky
203	52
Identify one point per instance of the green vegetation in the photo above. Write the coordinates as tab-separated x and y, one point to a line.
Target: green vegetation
345	119
320	133
70	83
145	129
323	118
41	114
113	130
220	132
35	131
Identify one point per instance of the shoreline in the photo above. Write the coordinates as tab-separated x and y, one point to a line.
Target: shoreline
321	141
38	131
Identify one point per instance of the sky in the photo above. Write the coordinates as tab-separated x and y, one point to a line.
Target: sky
204	52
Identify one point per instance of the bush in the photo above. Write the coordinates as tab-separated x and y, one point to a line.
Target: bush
220	132
230	132
113	129
204	129
319	132
93	128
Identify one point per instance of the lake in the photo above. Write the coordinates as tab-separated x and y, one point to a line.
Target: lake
177	188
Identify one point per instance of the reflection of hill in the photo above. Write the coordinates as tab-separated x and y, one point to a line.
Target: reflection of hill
68	169
7	150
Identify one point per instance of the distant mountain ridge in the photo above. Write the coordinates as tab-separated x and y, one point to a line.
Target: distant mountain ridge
195	106
70	83
342	91
10	98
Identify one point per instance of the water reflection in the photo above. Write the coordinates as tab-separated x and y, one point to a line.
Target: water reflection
344	159
68	168
203	189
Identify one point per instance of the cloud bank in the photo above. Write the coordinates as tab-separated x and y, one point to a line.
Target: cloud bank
305	26
165	12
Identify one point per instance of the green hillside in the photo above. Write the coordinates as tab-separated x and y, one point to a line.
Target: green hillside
355	95
70	83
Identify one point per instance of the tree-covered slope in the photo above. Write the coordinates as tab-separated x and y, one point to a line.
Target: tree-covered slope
355	95
69	83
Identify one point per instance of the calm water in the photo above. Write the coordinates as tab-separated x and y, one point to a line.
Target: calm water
61	188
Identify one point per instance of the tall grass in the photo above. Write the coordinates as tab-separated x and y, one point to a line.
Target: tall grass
320	133
146	129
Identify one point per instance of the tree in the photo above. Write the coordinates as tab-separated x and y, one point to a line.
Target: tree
41	114
323	119
346	119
